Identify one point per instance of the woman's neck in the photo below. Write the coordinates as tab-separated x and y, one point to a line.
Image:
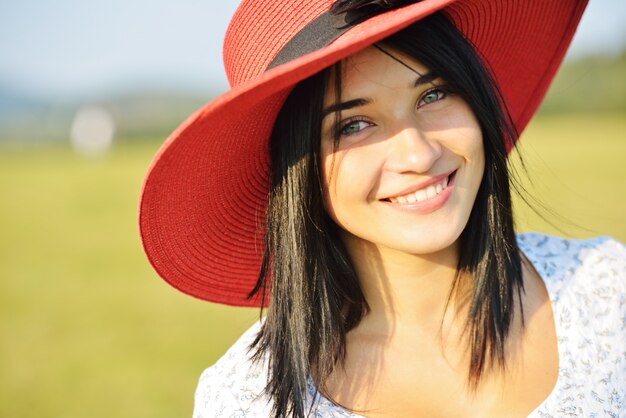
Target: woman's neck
403	290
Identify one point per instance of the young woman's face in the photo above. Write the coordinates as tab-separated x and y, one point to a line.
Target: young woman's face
409	161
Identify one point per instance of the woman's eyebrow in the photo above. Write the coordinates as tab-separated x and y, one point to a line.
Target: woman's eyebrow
338	107
427	78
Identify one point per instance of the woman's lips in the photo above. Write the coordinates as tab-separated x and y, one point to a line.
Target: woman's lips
425	199
420	192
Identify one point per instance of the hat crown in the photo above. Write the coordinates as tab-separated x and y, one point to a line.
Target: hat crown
258	31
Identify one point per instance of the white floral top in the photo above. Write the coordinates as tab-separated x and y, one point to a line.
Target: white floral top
586	280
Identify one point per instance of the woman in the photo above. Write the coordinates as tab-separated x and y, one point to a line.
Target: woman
355	181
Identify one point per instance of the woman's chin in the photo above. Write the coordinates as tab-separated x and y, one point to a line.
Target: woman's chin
430	246
408	243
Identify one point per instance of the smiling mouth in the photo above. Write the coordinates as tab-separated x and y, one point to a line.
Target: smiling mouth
425	193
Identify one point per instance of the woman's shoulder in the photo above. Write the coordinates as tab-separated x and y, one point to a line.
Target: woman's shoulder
234	385
586	281
598	263
552	246
588	273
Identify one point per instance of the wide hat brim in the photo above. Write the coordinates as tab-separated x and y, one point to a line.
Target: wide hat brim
202	208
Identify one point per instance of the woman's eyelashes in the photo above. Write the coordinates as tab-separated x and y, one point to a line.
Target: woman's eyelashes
433	95
353	126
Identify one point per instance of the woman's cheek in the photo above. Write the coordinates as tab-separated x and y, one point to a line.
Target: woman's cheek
340	174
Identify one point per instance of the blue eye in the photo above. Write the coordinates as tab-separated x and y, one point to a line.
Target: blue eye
353	127
432	96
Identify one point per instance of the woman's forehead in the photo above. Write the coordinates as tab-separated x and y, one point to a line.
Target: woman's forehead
374	66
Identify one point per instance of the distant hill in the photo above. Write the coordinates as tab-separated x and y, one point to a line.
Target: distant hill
12	102
153	114
591	84
142	114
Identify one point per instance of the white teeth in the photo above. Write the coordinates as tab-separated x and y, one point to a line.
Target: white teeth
422	194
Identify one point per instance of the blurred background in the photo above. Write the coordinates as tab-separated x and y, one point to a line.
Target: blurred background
89	90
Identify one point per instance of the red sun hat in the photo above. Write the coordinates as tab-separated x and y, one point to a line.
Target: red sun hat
202	209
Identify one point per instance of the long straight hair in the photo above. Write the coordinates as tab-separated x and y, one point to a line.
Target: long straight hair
315	293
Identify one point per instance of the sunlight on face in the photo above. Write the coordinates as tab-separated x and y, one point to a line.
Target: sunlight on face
409	161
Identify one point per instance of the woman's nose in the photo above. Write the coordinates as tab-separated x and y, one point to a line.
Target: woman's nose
412	150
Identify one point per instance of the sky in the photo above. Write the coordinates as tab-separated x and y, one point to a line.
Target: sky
74	48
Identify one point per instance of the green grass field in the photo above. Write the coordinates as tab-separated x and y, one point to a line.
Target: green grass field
86	327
